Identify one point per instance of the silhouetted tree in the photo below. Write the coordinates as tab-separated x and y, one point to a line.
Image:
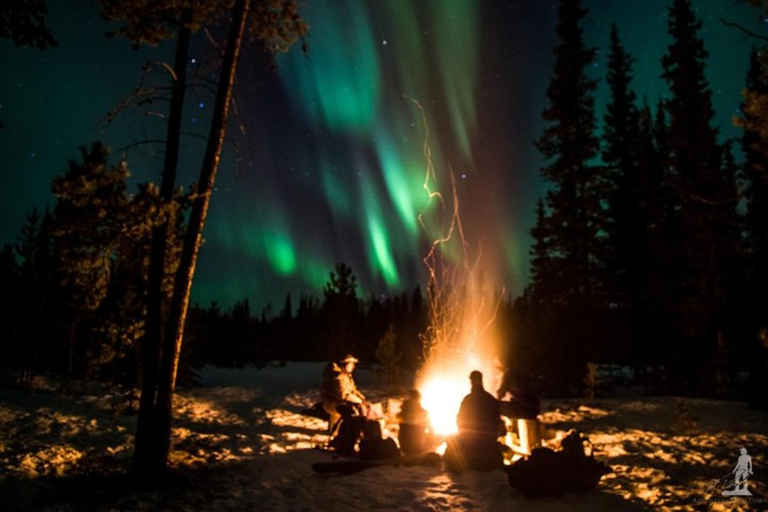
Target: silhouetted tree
88	217
574	217
627	222
704	228
340	312
10	290
634	184
34	300
307	321
390	359
123	312
23	21
652	321
754	120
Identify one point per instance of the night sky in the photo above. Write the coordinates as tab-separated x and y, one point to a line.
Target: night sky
330	166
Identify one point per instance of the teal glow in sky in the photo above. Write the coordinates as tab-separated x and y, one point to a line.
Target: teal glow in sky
331	165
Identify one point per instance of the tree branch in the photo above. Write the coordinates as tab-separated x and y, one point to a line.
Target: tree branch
741	28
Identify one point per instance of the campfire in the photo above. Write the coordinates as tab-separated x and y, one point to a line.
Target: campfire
441	397
442	389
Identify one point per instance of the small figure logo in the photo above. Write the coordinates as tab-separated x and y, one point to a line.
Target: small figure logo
741	476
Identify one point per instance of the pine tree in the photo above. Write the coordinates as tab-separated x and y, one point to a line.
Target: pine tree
536	316
10	312
543	280
651	326
24	22
629	222
754	141
621	157
341	313
575	218
88	219
37	296
754	121
704	226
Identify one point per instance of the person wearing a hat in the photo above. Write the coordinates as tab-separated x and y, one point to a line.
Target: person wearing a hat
343	402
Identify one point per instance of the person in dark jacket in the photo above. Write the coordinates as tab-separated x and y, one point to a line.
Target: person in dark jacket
480	425
480	414
517	396
415	435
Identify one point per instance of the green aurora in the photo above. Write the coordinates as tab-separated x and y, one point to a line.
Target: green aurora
394	99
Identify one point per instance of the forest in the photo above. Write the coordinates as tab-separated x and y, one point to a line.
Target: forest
650	243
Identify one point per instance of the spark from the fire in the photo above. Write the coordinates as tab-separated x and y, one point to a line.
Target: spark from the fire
459	336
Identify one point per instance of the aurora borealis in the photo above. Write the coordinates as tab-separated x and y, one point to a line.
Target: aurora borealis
331	165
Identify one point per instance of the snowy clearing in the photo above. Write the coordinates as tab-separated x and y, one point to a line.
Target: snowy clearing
241	443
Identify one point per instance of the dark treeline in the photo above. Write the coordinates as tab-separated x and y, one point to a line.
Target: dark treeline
314	329
650	242
650	251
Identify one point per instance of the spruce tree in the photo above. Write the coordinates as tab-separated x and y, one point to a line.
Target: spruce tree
88	219
620	154
754	141
628	222
754	121
23	21
36	301
341	314
537	308
704	225
575	218
651	326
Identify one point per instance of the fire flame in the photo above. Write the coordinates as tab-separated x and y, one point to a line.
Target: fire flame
443	389
441	397
461	334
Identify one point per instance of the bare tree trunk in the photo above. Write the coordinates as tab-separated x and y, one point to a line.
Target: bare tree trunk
148	459
180	301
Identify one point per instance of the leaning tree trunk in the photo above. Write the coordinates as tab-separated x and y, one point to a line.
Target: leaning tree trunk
148	460
180	301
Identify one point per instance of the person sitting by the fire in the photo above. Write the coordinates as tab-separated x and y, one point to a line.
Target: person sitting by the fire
480	426
516	395
415	434
479	416
344	403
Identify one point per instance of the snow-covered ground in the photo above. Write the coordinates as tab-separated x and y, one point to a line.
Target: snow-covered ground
241	443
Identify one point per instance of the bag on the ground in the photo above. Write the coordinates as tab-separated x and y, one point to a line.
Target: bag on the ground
573	443
548	472
378	449
347	435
